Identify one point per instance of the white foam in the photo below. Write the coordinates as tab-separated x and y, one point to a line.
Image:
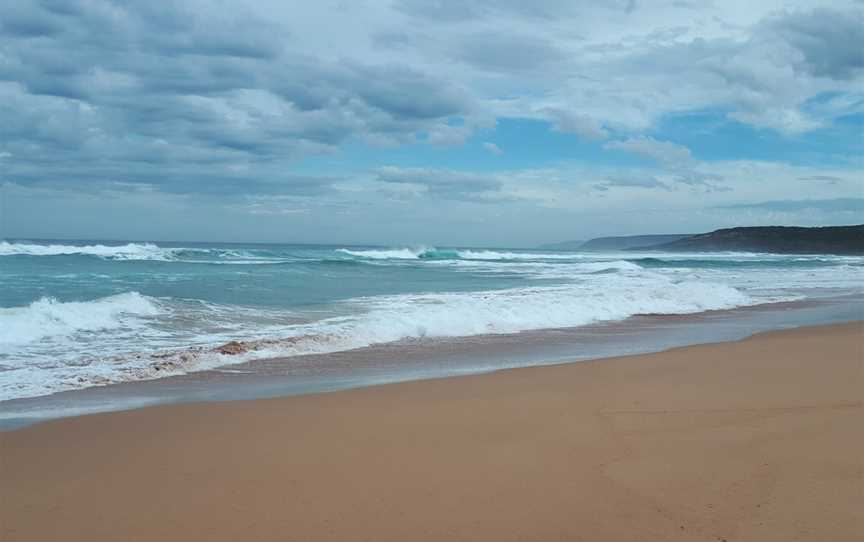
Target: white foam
496	255
541	269
50	346
444	254
384	319
393	318
129	251
185	332
48	318
143	251
386	254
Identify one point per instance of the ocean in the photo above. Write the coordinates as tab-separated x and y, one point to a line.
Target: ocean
76	315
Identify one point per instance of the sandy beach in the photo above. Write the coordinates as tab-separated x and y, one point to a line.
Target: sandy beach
755	440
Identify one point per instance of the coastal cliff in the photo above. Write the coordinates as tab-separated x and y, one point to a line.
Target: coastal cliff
779	239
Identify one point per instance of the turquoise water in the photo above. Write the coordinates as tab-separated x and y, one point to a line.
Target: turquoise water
79	314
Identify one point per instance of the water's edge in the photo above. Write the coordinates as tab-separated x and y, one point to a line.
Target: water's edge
416	360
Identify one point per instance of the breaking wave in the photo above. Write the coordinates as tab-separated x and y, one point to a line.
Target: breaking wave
260	256
129	251
392	318
47	326
327	300
451	254
495	255
48	317
387	254
147	252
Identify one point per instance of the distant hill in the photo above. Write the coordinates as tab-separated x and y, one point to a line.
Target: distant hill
779	239
630	241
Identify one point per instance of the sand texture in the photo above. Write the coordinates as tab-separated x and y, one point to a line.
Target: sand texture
759	440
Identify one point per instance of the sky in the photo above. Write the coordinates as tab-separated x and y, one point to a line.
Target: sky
409	122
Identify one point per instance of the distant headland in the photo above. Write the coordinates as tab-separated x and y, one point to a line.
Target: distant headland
777	239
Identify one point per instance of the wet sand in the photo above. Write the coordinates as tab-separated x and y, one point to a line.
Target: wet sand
433	358
754	440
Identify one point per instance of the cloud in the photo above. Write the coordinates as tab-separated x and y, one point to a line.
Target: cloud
676	162
432	205
444	134
105	87
106	92
448	12
447	184
508	53
830	41
631	181
830	179
243	102
762	73
581	125
493	148
664	152
829	205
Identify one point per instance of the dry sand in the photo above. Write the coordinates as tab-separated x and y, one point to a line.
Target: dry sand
760	440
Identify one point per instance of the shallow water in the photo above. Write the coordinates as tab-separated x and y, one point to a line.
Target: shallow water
77	315
432	358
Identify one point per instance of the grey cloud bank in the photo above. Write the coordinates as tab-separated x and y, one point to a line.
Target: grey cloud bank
196	109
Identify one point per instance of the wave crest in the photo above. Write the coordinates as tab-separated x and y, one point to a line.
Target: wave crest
47	317
67	340
451	254
129	251
146	252
385	254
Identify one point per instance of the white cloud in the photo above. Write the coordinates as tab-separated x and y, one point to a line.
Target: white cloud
569	122
664	152
493	148
228	99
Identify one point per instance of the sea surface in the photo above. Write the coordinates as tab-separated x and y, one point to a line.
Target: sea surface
75	315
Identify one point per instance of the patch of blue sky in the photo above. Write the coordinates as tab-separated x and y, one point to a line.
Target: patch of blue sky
711	135
525	144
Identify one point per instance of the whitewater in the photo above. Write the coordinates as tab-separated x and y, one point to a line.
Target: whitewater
75	315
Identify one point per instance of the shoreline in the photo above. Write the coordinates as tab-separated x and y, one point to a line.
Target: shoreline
757	439
441	358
